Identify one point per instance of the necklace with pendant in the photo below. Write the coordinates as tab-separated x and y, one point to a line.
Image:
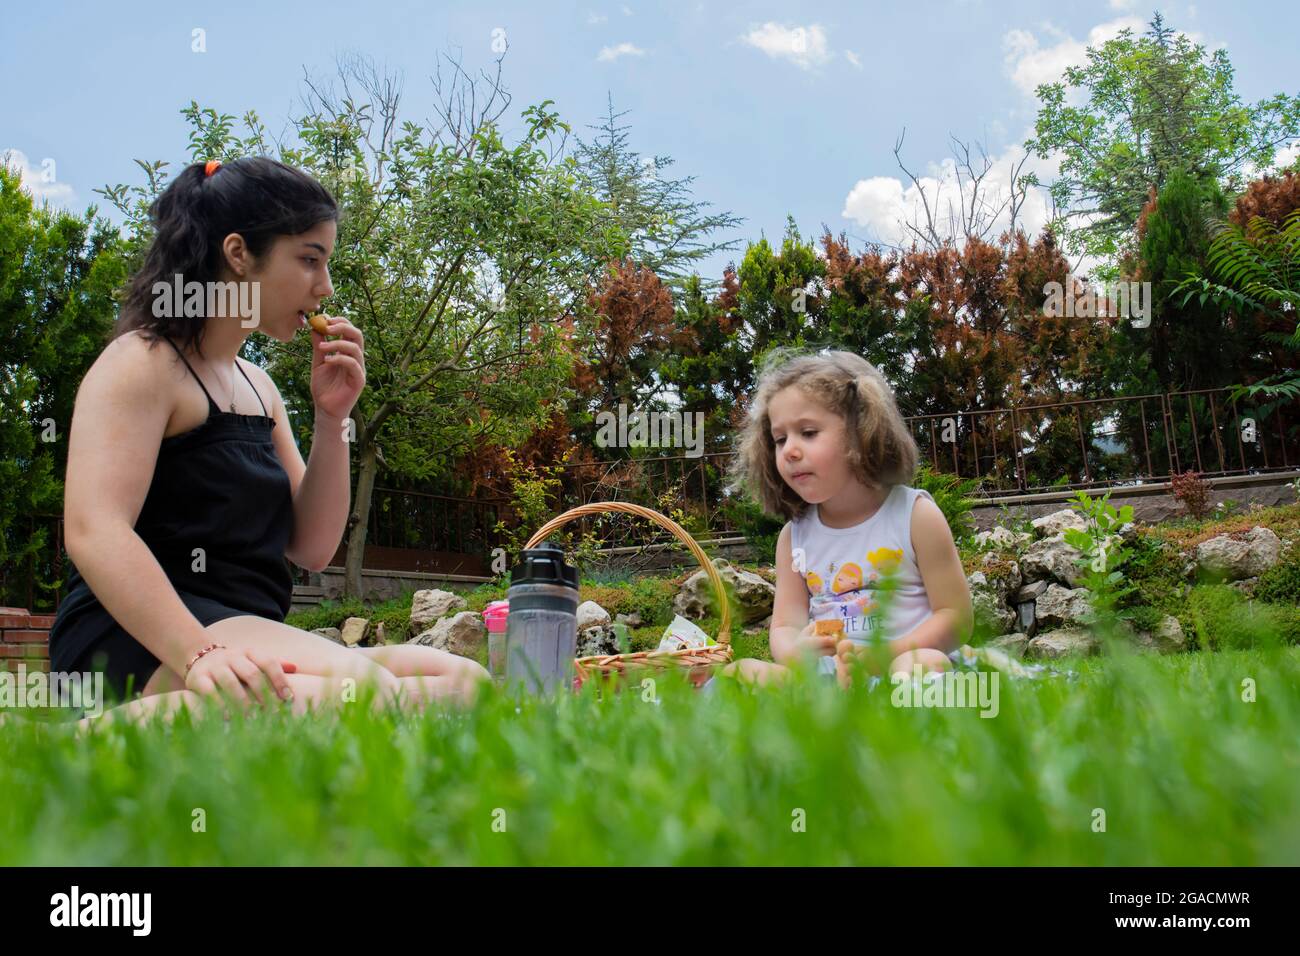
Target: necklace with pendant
232	395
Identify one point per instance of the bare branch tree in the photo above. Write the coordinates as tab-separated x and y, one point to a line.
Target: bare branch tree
978	209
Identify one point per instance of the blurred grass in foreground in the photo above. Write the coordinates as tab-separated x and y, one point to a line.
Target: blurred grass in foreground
1184	769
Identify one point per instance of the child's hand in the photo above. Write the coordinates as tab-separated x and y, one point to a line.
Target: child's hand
865	656
809	642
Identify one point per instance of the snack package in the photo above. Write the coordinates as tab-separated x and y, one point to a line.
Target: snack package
682	633
829	627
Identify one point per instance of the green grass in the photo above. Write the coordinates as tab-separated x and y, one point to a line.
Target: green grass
1185	770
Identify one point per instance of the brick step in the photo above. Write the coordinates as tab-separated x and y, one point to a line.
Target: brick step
12	636
24	650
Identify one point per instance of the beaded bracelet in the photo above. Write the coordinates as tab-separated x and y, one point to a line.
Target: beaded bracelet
207	650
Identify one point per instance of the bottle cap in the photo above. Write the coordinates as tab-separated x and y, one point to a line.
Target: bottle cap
544	564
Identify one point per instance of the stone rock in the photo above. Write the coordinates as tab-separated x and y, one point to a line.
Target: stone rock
1051	525
1058	606
1001	538
1246	586
989	610
1026	617
333	633
1053	559
1012	644
428	605
354	630
463	634
754	596
631	620
1031	591
596	640
1232	559
999	581
591	614
1064	642
1167	638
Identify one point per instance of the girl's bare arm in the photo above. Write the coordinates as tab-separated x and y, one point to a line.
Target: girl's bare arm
117	426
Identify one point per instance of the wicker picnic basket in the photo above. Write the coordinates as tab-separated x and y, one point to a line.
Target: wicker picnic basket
698	660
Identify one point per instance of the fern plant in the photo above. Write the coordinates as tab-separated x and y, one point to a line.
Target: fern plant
1255	269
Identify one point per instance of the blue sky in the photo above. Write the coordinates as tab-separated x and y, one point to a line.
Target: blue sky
775	108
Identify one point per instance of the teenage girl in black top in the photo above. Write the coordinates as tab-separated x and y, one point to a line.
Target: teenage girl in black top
185	490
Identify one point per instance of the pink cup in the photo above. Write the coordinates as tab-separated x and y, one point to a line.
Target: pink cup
494	616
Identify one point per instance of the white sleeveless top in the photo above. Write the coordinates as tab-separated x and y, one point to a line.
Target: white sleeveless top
841	567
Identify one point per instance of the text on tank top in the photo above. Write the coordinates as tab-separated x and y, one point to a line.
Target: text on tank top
842	568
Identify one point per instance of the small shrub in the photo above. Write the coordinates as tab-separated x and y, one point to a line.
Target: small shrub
1280	584
1193	493
1223	619
953	496
760	529
650	597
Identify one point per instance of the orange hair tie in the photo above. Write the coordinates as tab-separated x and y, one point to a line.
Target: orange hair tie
211	167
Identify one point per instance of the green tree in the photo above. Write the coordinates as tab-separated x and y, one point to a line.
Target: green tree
1151	104
458	256
666	229
57	273
781	300
1188	345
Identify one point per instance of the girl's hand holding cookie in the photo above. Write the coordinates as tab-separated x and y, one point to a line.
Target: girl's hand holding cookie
338	366
811	641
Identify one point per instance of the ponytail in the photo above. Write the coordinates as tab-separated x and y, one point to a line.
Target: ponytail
259	198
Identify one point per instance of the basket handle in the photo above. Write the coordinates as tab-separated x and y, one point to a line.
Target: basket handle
601	507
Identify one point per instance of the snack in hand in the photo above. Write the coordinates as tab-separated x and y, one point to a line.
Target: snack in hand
319	323
827	628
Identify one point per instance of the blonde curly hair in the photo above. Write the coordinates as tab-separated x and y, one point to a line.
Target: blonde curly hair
880	448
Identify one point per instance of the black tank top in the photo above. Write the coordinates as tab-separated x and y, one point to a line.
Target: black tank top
219	487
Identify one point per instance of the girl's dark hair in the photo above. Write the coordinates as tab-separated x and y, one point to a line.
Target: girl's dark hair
255	196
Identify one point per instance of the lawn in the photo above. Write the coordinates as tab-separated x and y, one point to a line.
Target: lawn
1184	769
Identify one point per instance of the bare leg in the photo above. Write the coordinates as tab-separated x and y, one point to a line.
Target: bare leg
315	656
428	674
929	658
753	671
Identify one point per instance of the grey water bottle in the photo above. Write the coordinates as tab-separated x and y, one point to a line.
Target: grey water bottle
542	627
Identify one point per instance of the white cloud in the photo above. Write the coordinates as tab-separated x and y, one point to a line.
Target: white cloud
1287	155
627	11
1122	4
883	204
1284	157
594	18
41	180
623	49
1029	63
805	47
853	58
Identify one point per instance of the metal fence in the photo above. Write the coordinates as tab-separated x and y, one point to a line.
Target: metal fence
1087	443
1108	442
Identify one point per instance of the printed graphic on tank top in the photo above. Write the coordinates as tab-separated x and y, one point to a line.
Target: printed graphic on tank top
218	517
842	568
